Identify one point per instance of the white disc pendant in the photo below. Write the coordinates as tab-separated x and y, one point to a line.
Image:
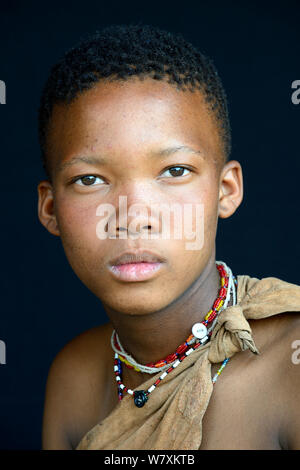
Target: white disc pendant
199	330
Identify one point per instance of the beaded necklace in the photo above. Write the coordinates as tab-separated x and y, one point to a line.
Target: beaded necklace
199	331
200	335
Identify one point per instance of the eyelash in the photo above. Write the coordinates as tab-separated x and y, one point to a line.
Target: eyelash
78	178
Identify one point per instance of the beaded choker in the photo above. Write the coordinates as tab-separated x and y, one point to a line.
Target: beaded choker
201	333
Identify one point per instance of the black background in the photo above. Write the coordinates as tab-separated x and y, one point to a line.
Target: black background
256	49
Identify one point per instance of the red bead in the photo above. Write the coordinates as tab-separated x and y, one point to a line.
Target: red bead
169	370
216	303
171	358
197	345
212	316
226	282
222	272
181	349
157	382
223	292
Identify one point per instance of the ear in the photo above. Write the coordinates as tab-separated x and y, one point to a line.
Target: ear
46	212
231	189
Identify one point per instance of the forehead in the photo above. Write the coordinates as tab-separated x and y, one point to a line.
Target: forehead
131	116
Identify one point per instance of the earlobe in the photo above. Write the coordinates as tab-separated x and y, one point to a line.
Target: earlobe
46	212
227	208
231	189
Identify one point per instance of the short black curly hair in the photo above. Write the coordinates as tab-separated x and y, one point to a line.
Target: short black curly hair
119	52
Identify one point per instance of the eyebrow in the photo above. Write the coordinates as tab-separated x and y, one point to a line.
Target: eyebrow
93	160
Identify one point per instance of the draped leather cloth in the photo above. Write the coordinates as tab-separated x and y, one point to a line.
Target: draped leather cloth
172	416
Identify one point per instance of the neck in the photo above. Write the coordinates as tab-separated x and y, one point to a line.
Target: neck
151	337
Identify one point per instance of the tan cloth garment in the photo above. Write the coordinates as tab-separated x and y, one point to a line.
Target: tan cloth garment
172	416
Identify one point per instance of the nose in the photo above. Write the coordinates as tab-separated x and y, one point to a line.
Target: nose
137	219
136	211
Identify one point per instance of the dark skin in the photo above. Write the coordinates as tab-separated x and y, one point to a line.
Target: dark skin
128	123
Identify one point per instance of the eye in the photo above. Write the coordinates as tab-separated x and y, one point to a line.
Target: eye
86	180
177	170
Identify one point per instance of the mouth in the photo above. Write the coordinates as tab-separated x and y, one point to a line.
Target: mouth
134	266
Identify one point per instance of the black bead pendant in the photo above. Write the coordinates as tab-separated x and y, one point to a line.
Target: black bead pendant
140	398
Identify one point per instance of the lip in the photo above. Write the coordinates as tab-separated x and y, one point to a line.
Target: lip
138	265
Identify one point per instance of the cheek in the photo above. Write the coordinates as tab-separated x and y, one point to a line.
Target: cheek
74	214
191	252
200	206
77	226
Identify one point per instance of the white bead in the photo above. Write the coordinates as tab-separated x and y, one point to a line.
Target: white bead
203	340
130	391
122	386
189	352
151	388
163	375
176	363
199	330
118	379
116	368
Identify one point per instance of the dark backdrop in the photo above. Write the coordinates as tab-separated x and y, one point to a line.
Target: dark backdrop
256	48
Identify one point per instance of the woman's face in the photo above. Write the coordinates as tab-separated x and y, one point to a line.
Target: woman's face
147	143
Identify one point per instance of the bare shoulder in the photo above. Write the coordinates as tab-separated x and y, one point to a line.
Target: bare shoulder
278	339
255	404
275	330
75	378
83	347
276	336
290	379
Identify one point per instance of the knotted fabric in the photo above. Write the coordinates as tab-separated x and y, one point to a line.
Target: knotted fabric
172	417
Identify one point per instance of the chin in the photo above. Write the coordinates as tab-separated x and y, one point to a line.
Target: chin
134	306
